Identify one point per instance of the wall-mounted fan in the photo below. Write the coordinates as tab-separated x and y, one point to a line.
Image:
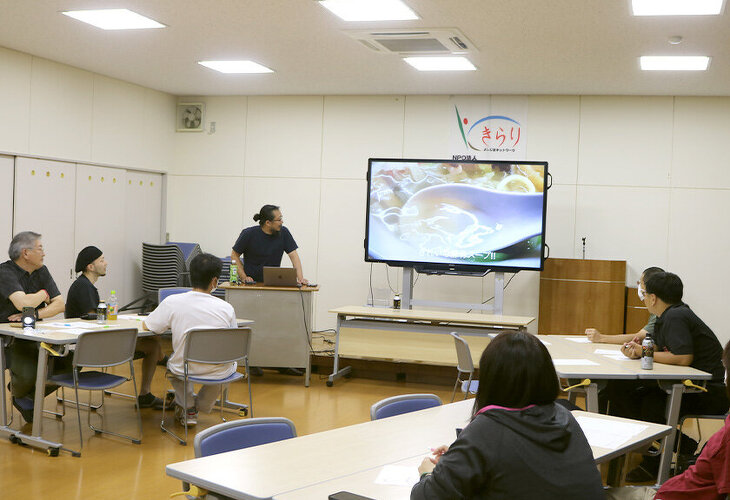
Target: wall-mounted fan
190	116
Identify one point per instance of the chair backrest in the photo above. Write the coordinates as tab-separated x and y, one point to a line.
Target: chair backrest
245	433
464	362
101	348
217	345
163	293
405	403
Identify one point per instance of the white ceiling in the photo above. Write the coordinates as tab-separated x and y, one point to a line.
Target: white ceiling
524	47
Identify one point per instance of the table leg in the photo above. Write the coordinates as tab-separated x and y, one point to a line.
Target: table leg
3	399
616	469
35	438
592	397
673	405
336	372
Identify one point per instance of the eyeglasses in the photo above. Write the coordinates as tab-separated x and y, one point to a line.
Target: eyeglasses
279	219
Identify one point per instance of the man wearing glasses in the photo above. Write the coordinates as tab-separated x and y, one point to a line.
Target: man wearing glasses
264	245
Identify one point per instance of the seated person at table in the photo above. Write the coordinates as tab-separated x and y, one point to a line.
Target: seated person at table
26	282
596	336
83	297
183	312
707	479
681	338
519	443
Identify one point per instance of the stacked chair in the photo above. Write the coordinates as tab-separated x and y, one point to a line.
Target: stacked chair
225	276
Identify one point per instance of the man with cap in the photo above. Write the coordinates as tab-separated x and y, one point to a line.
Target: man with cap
83	297
26	282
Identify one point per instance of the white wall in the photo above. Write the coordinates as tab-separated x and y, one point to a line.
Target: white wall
644	179
75	117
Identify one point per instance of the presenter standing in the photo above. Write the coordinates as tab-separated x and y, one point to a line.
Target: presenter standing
264	245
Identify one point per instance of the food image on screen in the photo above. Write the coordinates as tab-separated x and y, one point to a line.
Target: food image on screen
480	213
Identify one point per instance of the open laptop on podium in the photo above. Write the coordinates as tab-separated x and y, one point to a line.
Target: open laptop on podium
280	276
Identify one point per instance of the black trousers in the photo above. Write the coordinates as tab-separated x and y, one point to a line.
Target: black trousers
23	363
645	400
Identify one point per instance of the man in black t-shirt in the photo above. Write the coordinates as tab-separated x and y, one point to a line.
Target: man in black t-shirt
681	338
265	245
83	297
26	282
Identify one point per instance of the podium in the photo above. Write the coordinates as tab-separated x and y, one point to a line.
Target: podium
282	328
576	294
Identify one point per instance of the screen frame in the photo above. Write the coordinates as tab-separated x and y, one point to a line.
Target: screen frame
427	267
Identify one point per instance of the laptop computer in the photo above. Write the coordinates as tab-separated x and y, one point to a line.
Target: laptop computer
280	276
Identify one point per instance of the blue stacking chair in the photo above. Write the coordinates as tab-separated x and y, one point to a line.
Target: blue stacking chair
405	403
101	349
163	293
212	346
239	434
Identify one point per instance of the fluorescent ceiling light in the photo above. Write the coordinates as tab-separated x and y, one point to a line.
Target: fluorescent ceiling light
674	63
369	10
677	7
114	19
236	66
440	63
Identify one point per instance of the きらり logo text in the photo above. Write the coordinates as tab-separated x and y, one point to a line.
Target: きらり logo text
493	133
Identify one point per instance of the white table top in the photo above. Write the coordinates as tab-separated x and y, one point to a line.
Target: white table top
345	456
66	331
604	365
433	316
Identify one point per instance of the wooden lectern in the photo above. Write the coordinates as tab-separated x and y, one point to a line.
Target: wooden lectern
576	294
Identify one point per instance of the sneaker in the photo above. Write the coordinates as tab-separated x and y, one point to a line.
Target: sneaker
149	400
256	371
295	372
25	407
191	415
163	361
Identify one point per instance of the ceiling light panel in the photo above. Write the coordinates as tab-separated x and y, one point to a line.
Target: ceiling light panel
236	66
369	10
440	63
677	7
114	19
674	63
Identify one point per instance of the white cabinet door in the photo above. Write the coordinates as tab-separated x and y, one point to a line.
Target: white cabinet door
6	203
142	222
45	193
100	203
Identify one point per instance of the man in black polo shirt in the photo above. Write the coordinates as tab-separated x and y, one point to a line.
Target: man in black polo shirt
26	282
681	338
83	297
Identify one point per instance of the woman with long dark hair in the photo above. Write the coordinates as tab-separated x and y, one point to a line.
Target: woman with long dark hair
520	443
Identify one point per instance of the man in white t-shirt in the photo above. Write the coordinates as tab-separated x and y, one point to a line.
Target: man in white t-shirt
183	312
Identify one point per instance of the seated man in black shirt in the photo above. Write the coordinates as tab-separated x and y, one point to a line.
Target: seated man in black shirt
681	338
26	282
83	297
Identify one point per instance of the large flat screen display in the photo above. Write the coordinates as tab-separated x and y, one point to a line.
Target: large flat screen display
456	216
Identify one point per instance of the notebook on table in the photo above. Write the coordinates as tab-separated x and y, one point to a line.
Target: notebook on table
280	276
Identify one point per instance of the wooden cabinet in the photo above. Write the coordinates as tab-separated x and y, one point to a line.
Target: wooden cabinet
576	294
636	313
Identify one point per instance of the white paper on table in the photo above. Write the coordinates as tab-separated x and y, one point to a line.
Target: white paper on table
397	475
610	352
71	324
574	362
605	433
580	340
617	357
136	317
75	331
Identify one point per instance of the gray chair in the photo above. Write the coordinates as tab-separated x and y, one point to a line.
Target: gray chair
405	403
101	349
464	365
212	346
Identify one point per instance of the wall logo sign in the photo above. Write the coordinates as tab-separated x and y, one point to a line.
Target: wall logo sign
492	133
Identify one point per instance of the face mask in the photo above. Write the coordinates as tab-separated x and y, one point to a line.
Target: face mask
642	294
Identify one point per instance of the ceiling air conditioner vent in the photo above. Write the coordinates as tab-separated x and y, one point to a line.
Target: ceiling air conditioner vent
440	41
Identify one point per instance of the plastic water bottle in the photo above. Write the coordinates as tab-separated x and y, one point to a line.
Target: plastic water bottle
112	305
101	313
233	274
647	353
396	301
